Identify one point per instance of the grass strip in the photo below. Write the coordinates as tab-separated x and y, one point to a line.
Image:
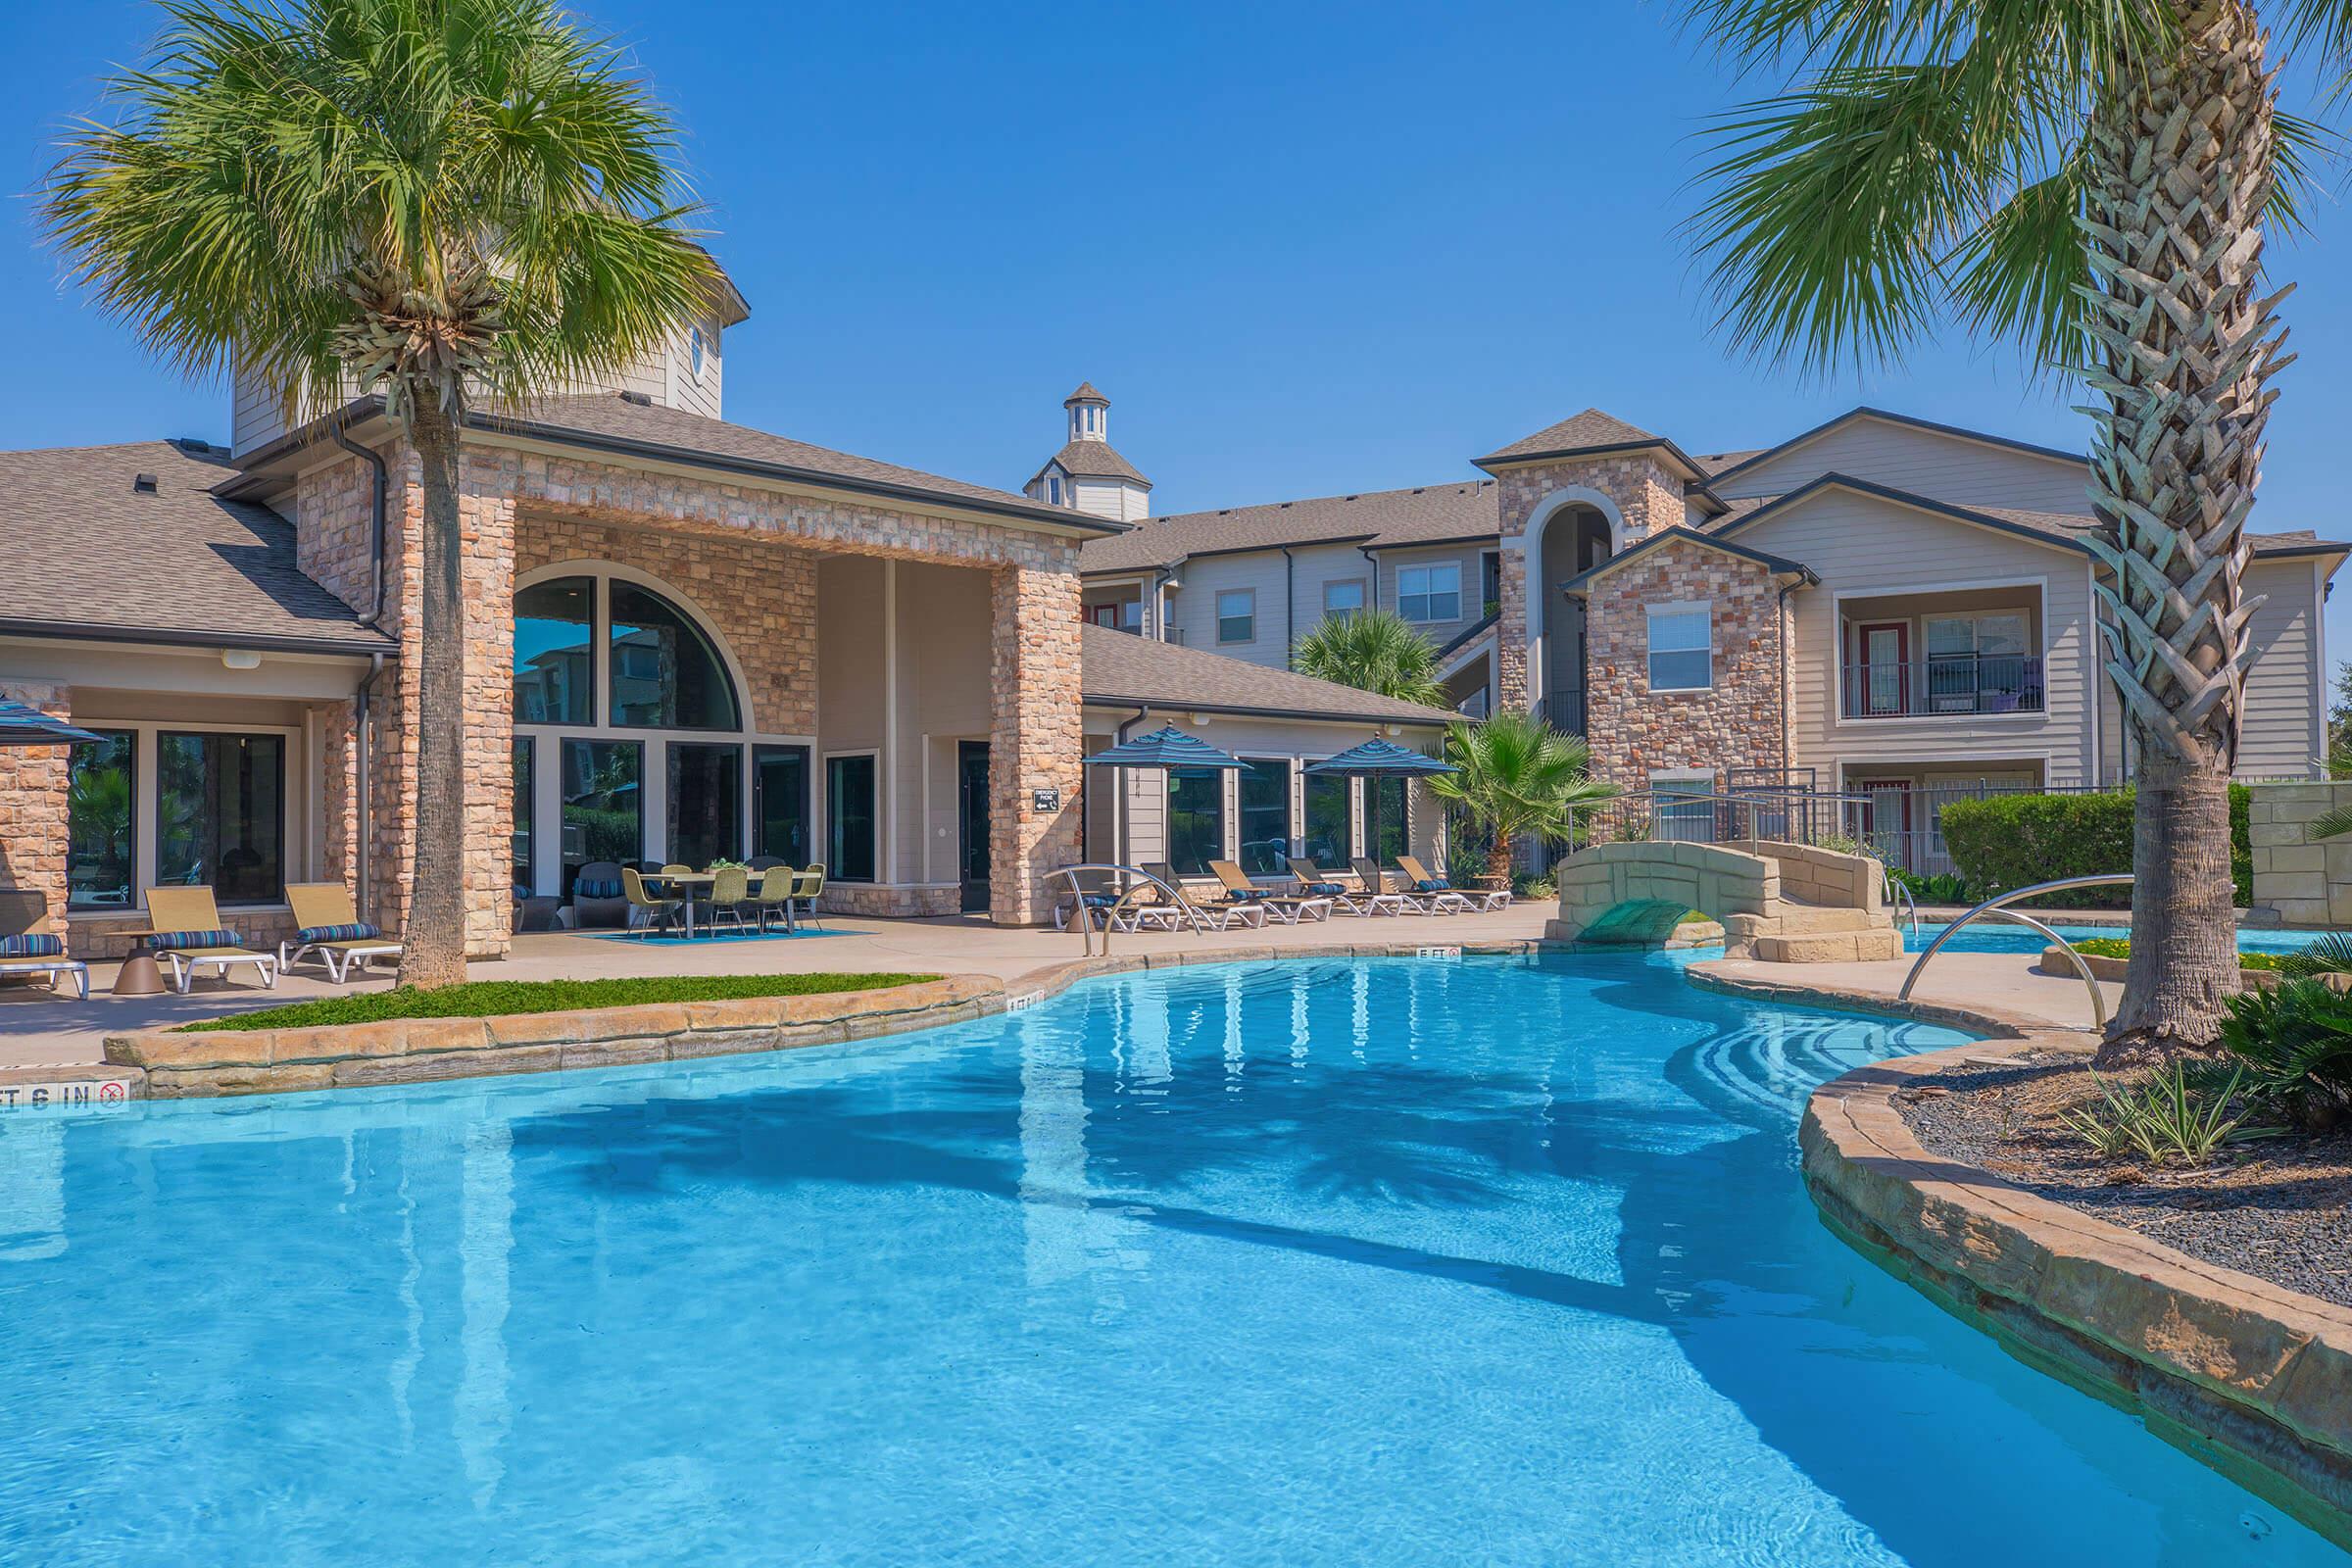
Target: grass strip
500	998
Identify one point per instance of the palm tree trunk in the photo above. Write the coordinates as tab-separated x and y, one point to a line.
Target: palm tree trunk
2179	155
1498	858
435	942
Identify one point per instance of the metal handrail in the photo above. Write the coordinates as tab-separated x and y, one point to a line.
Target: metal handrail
1142	879
2000	906
1900	897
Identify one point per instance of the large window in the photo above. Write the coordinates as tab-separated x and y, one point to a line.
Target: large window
1196	819
1430	593
705	803
849	818
221	814
665	672
780	803
1266	816
1328	840
102	800
604	806
555	635
1681	656
1237	615
524	852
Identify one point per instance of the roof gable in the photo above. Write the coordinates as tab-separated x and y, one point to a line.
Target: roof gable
1969	467
1779	566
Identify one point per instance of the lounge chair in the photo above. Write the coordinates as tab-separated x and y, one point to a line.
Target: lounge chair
660	909
28	946
331	928
1318	883
1480	899
1372	876
1179	909
187	933
1287	907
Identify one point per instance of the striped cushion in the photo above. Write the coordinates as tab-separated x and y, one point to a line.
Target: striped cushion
1433	884
355	931
1324	890
219	937
37	944
595	887
1246	895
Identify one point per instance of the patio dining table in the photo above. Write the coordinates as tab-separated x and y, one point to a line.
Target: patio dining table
686	882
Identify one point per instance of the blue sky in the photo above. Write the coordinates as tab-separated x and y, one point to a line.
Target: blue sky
1305	249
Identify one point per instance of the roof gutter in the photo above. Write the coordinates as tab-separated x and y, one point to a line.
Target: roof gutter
71	631
1433	719
376	550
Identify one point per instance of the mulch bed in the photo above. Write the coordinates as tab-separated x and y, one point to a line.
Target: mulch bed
2279	1208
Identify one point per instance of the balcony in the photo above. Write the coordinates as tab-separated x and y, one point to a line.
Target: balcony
1945	685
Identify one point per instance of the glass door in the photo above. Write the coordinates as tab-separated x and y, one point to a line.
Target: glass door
972	819
780	803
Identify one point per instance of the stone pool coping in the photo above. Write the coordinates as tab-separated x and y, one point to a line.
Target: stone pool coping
2247	1376
165	1065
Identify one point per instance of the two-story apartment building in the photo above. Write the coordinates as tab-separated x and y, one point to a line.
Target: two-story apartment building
1880	606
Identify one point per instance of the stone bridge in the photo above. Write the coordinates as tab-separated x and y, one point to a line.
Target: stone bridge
1783	902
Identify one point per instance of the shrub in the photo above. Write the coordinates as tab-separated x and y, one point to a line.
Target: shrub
496	998
2013	841
2295	1042
1942	888
2121	948
2163	1117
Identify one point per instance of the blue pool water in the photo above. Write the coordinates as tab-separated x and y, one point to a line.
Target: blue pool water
1990	935
1493	1262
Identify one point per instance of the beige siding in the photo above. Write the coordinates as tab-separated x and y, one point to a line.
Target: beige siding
2281	734
1192	608
1861	546
1467	556
1925	462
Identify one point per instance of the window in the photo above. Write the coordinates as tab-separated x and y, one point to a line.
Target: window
554	629
780	803
705	803
221	814
1389	818
1430	593
1344	597
1691	823
665	672
525	861
1266	816
1329	841
1196	819
1237	615
102	794
1490	582
602	805
1053	488
1977	663
1681	656
850	820
694	354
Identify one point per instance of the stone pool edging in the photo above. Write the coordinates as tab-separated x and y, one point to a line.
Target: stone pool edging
165	1064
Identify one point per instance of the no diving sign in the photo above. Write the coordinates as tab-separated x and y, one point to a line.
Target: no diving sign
67	1095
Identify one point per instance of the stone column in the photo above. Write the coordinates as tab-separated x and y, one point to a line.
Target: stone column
1033	737
1510	635
487	487
34	797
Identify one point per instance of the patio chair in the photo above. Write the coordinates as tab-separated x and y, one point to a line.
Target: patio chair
187	934
1319	883
598	897
1373	877
1097	893
773	891
1180	910
660	909
329	926
806	893
1287	907
1479	900
730	890
27	946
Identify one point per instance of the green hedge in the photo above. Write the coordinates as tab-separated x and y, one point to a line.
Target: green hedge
2011	841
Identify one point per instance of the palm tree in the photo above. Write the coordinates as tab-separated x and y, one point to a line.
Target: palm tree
446	200
2092	181
1373	651
1515	774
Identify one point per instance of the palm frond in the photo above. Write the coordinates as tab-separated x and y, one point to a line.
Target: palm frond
2330	826
1373	651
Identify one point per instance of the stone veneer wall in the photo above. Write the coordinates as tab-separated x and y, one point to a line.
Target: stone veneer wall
1647	497
34	785
568	505
2299	881
1634	731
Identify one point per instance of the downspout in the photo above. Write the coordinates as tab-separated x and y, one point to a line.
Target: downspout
1119	843
1786	670
1290	605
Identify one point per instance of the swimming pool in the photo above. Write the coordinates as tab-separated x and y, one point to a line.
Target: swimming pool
1993	935
1494	1261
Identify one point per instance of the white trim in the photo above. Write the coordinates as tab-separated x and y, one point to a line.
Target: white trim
1217	617
1686	607
295	859
1428	594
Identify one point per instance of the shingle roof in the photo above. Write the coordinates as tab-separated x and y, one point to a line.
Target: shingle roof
1121	669
1577	432
1462	510
87	552
1095	460
1086	393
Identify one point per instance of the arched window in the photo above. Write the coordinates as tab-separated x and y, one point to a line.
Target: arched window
632	742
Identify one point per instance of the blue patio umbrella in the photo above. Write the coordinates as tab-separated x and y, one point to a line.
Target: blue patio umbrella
22	726
1166	746
1377	759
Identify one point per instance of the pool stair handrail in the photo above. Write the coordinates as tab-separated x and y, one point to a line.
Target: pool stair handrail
1137	879
1901	898
1998	905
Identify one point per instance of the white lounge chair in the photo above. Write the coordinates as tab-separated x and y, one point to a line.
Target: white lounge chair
187	933
330	929
28	946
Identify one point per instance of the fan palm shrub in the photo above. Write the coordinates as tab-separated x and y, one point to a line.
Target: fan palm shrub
446	201
2092	181
2295	1044
1373	651
1516	775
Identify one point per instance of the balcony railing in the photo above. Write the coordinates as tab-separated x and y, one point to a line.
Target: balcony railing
1942	685
1564	710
